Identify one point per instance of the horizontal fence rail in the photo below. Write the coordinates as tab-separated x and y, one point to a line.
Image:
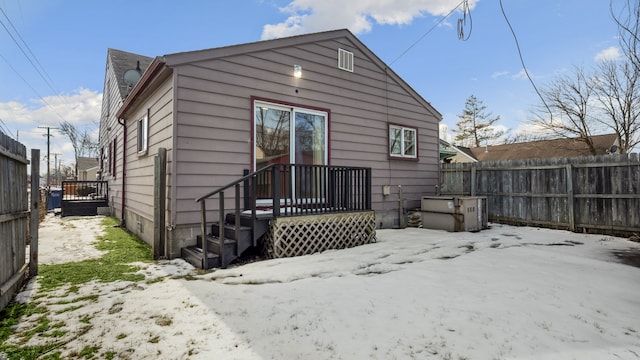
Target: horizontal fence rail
598	194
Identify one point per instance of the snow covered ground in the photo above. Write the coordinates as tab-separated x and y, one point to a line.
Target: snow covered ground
502	293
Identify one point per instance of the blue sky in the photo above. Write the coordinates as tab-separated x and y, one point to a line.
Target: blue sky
70	41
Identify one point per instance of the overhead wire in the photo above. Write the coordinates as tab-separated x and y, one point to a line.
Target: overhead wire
5	128
31	87
524	67
48	79
428	32
462	22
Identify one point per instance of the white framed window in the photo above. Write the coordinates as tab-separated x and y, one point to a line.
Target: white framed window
143	134
403	142
345	60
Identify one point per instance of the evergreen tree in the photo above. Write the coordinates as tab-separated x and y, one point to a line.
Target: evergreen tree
476	126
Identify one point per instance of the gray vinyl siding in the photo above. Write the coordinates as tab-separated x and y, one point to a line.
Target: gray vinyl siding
140	166
110	129
214	112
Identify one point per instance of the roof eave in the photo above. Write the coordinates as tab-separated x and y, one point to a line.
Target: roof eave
155	68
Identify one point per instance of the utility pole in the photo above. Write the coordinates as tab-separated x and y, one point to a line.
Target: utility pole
48	153
56	168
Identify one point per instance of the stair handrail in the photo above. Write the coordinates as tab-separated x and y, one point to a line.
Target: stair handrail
203	213
246	177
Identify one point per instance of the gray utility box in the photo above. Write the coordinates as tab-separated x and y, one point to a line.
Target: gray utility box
464	213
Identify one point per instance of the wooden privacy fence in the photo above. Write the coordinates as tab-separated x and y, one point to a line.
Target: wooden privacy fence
14	217
599	194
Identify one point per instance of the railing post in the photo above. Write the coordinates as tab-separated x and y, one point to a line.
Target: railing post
254	197
368	189
275	190
221	228
246	189
237	228
203	230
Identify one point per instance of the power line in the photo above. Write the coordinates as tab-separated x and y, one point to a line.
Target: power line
4	126
524	67
31	87
49	83
428	31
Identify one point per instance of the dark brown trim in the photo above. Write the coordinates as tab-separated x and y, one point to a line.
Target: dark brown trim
154	68
403	158
286	103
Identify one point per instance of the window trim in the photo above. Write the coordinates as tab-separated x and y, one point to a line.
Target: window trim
402	155
143	134
288	106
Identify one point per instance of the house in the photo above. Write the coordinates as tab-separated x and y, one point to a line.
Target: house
87	168
545	149
539	149
450	153
355	142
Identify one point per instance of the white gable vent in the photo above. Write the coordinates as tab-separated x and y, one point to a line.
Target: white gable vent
345	60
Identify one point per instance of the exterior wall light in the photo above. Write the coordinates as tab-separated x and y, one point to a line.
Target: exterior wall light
297	71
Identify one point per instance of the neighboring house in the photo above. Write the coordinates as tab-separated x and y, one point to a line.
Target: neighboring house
450	153
545	149
320	100
540	149
87	168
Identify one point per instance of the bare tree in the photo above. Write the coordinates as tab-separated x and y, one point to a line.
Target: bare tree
627	18
618	90
82	142
568	106
475	125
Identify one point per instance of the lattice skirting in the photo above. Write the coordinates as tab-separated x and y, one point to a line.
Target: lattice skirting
301	235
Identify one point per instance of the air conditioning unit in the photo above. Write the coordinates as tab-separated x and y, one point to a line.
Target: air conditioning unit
464	213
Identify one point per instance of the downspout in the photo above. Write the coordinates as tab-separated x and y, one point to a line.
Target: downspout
123	122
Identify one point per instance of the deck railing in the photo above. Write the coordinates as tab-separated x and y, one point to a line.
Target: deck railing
291	190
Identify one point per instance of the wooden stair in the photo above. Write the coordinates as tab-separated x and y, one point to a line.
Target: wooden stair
249	232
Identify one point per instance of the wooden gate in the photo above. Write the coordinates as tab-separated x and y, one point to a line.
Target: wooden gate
83	198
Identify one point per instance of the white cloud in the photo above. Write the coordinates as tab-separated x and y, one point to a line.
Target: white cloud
359	16
610	53
521	75
28	121
498	74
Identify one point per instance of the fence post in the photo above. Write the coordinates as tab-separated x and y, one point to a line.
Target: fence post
570	198
35	210
473	180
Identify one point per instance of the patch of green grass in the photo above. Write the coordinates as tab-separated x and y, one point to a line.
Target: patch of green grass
44	324
11	314
122	249
121	336
155	280
110	355
89	351
68	309
85	319
83	298
31	352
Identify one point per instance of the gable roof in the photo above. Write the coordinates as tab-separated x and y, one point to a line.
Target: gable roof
85	163
544	149
121	61
189	57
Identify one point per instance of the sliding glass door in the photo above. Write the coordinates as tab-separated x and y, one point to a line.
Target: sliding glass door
291	135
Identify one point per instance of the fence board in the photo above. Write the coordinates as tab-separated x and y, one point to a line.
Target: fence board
14	207
593	194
